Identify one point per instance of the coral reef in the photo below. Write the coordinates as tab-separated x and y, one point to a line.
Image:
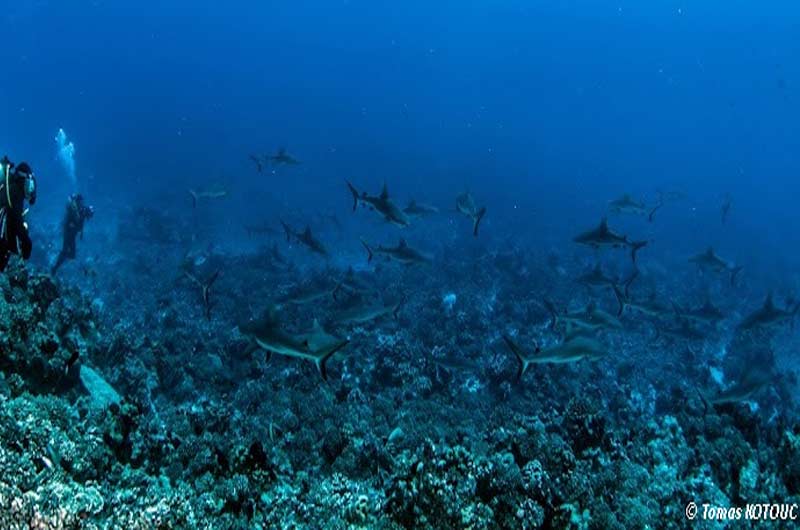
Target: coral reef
132	410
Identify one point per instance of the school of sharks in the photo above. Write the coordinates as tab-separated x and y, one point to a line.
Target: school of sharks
429	372
578	332
383	266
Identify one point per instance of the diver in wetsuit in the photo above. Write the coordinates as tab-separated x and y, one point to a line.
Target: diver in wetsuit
74	218
17	184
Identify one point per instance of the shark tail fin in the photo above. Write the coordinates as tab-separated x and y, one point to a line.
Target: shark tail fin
735	272
354	191
477	221
369	250
514	347
635	247
652	215
621	299
706	404
627	283
194	198
322	361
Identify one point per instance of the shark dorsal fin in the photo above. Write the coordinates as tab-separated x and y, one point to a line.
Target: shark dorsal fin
710	251
385	192
307	231
412	204
316	327
603	225
591	307
403	243
769	303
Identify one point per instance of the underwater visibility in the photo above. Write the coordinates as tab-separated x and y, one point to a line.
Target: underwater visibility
399	265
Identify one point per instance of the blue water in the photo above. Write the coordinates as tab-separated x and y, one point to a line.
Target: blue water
540	105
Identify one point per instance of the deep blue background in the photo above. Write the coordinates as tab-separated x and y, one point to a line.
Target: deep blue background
551	107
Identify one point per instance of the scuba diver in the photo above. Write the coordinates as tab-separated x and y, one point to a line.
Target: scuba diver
17	185
74	218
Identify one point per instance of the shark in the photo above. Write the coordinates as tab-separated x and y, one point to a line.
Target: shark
705	315
217	193
465	204
597	279
257	162
306	237
276	257
590	319
281	158
205	289
353	284
382	204
740	391
683	332
402	253
627	204
604	237
306	293
316	346
573	349
769	316
649	307
709	261
415	209
361	314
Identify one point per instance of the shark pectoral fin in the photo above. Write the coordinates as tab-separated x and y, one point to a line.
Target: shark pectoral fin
477	221
321	362
652	213
267	355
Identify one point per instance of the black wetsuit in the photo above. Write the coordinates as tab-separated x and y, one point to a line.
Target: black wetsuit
75	217
14	238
